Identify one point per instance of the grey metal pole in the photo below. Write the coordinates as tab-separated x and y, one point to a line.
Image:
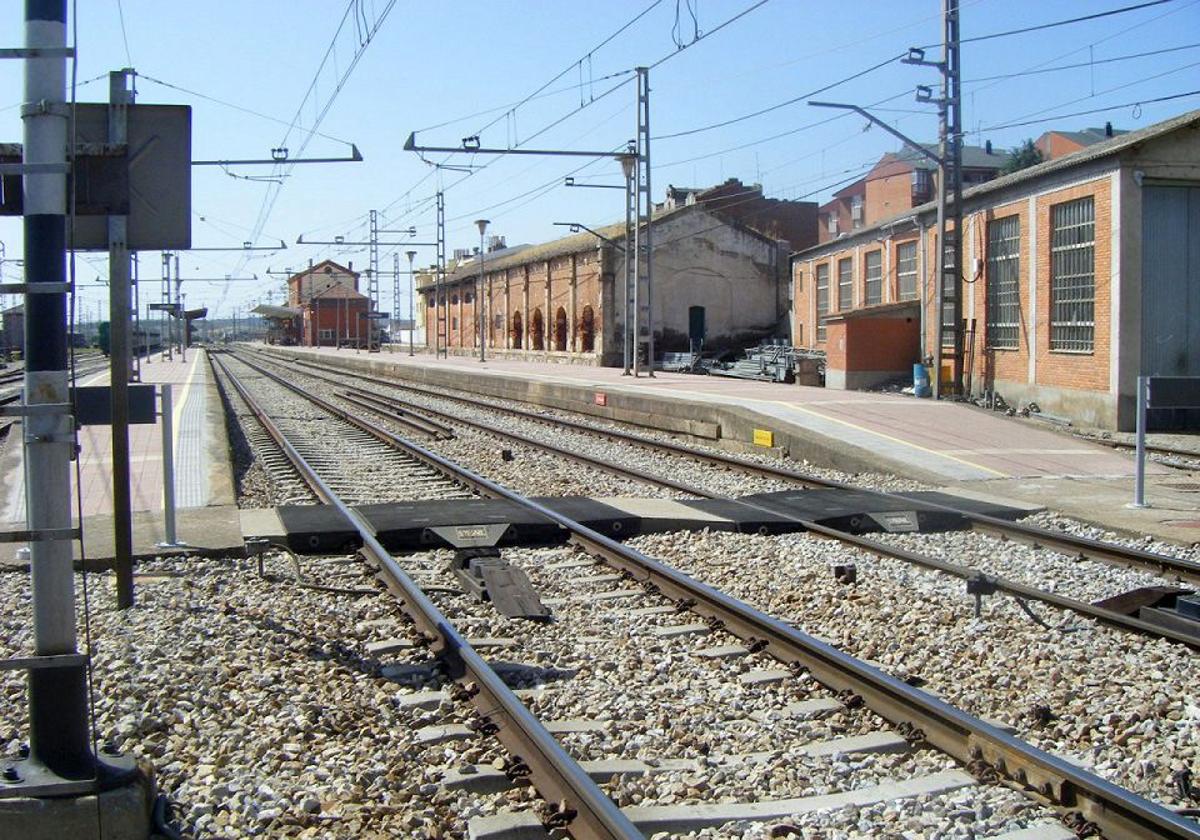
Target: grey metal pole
412	324
644	72
58	736
954	139
631	256
1139	477
119	98
479	308
168	456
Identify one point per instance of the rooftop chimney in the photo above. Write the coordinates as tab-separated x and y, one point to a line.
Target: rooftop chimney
1108	129
987	147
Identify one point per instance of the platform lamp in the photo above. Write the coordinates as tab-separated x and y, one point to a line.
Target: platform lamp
628	166
482	225
412	324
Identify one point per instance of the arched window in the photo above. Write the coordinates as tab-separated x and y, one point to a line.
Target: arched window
560	329
516	330
537	330
454	299
587	331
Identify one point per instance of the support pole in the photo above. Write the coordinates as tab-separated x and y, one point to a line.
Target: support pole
954	107
1139	478
58	730
170	539
643	236
439	308
119	99
631	257
412	324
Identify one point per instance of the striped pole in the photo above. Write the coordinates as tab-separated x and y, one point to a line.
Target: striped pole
58	737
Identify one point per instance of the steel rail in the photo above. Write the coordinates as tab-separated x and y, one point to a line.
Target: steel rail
407	419
982	579
987	751
576	801
1070	544
487	428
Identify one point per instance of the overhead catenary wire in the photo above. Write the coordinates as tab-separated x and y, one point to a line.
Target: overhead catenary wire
1057	23
1131	104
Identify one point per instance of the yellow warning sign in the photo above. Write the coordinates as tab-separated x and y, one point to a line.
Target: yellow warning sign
762	437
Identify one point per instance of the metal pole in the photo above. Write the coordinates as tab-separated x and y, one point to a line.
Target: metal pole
631	256
439	308
644	114
395	298
954	140
412	324
58	736
168	456
1139	477
119	98
480	309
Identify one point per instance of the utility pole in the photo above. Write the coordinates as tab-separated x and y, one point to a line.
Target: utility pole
120	97
951	275
372	279
441	334
395	295
628	165
412	324
59	740
165	326
643	313
480	308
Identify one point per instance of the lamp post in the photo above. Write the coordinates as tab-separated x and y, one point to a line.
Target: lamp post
482	225
412	324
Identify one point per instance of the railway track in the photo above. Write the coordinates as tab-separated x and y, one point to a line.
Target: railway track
1086	801
977	581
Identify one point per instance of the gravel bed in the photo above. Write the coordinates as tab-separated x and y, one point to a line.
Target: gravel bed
865	480
253	702
1123	705
1057	522
1048	570
528	470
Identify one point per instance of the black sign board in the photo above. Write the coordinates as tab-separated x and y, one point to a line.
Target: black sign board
93	405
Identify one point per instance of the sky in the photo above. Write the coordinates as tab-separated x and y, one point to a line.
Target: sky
265	74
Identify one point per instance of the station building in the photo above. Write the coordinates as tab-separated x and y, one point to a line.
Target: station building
324	309
716	278
1082	273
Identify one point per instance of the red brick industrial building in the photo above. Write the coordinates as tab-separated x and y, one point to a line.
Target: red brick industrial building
1077	280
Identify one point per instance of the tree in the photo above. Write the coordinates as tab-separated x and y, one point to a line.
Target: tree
1022	157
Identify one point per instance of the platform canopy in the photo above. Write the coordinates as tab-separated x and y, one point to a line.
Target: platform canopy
282	312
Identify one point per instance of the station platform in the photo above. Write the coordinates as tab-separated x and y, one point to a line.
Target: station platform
204	488
953	445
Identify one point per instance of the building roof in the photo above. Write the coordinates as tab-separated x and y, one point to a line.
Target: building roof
1088	136
576	244
320	268
1097	151
269	311
908	159
337	292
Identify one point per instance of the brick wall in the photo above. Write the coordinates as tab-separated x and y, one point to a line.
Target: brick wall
1087	371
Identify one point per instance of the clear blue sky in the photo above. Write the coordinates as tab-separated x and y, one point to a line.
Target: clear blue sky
435	62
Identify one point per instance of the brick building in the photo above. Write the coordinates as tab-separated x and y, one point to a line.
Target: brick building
794	222
715	278
330	310
1055	144
899	181
1080	275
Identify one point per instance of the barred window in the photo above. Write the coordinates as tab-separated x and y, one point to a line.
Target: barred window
1004	283
1073	276
906	270
845	284
822	298
874	277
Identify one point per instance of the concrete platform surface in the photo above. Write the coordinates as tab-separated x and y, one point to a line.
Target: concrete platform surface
213	531
203	474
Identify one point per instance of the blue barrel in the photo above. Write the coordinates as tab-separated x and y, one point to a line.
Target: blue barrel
921	380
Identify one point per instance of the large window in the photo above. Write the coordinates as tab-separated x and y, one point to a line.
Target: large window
845	284
822	298
874	277
1004	283
906	270
1073	276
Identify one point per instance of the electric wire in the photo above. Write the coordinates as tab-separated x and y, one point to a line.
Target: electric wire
1054	24
1079	65
124	34
1132	104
